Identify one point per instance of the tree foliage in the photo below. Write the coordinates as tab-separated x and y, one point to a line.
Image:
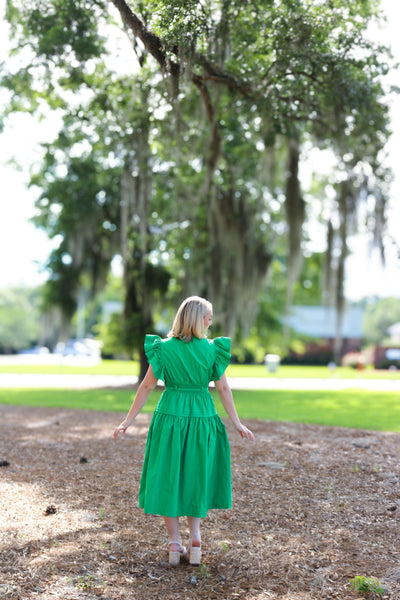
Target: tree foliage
194	156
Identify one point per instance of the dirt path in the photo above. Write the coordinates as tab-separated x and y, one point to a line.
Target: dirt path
313	507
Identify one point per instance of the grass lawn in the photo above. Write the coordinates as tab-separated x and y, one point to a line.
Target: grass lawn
125	367
345	408
302	372
105	367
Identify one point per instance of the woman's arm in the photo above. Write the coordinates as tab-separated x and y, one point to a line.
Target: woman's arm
145	388
225	393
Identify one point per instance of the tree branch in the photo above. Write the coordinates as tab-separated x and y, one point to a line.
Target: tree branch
150	40
154	46
218	76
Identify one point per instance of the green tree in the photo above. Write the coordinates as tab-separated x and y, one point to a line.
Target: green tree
208	139
315	73
102	204
19	319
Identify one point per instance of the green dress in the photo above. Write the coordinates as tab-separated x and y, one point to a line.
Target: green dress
186	468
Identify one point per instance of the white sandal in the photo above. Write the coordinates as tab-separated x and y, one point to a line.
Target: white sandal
194	554
175	555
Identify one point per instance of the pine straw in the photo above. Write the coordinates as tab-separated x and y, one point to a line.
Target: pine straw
312	507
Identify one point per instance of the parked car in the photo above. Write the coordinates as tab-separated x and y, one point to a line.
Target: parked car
82	347
35	350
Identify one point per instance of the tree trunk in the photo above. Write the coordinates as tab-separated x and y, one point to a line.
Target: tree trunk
344	197
135	202
328	267
295	214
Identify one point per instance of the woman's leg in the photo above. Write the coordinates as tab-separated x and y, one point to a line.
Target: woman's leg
194	531
195	540
172	525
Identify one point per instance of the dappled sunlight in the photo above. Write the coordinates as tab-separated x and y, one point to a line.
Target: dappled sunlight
30	519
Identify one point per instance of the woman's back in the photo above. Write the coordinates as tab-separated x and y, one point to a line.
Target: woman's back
194	363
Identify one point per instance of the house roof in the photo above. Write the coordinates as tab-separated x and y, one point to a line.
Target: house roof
320	321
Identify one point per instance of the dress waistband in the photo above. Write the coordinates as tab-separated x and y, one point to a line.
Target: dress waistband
187	388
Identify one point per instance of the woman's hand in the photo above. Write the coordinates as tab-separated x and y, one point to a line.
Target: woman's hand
245	433
225	393
122	427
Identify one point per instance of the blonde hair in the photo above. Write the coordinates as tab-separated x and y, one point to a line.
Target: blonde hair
189	320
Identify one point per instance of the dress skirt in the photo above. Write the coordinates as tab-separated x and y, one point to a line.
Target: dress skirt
186	469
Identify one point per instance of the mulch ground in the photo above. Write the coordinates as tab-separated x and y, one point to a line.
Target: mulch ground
312	508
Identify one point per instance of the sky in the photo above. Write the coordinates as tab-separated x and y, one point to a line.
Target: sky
365	275
24	248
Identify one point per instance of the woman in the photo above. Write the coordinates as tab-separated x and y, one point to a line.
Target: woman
186	469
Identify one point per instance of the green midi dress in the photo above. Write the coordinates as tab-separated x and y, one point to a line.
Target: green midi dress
187	467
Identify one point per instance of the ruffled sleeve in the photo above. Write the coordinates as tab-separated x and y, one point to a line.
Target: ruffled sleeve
152	348
222	347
